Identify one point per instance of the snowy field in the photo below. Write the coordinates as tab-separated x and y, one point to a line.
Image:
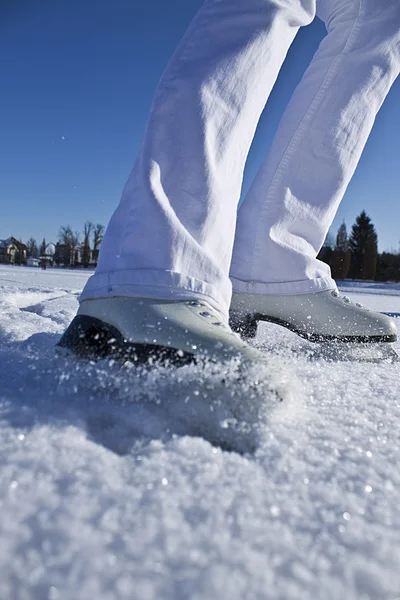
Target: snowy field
110	487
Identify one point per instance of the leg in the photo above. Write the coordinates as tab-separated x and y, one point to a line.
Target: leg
162	287
172	234
295	196
291	205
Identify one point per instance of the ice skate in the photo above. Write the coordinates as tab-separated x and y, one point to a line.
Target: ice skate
319	317
143	330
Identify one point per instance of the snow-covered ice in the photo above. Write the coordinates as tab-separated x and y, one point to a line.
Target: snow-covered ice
109	491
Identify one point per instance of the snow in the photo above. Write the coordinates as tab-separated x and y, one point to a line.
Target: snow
111	487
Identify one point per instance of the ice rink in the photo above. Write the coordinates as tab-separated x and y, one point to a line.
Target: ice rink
112	485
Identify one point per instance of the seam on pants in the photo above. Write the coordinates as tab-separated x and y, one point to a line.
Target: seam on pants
302	128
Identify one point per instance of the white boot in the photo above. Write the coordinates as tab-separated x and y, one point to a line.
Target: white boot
146	330
320	316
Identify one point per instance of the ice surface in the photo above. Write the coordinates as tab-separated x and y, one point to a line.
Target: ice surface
108	491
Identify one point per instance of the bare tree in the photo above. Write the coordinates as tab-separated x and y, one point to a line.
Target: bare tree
32	248
69	239
98	234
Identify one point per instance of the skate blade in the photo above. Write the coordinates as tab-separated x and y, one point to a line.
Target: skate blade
368	353
247	327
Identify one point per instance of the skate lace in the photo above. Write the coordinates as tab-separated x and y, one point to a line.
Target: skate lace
205	313
346	299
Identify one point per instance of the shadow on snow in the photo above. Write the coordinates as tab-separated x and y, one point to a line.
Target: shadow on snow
124	408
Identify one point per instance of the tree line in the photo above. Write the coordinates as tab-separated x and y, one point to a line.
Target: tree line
356	256
353	256
73	247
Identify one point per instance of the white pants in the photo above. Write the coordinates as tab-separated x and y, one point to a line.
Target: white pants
172	235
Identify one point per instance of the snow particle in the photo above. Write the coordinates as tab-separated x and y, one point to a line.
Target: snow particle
346	516
389	485
21	437
275	511
368	489
164	481
13	485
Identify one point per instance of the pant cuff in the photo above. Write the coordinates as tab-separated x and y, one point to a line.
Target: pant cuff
308	286
160	285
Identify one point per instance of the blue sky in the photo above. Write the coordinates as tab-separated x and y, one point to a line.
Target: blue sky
77	83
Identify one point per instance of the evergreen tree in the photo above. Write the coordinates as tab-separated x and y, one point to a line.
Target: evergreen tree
362	241
388	268
342	242
86	251
341	257
329	241
42	250
370	259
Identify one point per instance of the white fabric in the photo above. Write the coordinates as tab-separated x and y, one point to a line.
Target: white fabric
173	232
294	198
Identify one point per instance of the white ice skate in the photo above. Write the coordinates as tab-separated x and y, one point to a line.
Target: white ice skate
143	330
319	317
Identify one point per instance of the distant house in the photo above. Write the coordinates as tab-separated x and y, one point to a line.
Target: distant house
33	262
47	258
65	256
12	252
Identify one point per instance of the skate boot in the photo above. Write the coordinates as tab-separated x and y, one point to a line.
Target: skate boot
144	330
318	317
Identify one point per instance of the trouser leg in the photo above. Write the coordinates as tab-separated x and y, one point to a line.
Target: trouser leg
289	208
172	234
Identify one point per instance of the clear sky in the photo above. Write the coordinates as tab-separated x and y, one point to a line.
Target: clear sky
77	82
